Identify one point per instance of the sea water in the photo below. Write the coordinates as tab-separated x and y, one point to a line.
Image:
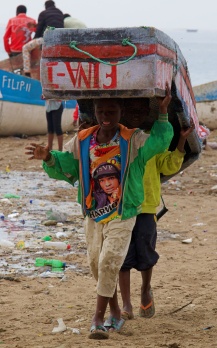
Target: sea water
199	49
200	52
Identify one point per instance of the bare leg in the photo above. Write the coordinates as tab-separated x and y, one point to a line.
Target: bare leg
114	306
101	305
60	142
146	286
114	321
124	283
50	140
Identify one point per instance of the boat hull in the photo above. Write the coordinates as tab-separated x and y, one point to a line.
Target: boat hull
22	110
24	119
206	103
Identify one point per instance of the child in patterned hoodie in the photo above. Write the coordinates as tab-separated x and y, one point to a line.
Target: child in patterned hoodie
90	156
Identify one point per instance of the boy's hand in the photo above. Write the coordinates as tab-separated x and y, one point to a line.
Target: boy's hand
38	152
184	133
164	101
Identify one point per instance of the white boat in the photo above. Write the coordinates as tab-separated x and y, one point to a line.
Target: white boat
22	111
206	103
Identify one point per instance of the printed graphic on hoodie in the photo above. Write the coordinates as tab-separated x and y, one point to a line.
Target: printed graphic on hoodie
105	179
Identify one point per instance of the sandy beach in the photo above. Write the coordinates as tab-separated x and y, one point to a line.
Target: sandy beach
33	298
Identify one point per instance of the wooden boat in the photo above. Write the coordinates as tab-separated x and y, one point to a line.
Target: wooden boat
15	64
206	99
121	62
22	111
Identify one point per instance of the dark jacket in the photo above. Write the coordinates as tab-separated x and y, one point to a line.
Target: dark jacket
51	17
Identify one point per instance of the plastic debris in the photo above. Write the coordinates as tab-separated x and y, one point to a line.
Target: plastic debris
74	330
41	262
199	224
61	327
56	215
187	241
8	168
56	245
47	238
20	244
61	234
13	215
208	327
11	195
49	274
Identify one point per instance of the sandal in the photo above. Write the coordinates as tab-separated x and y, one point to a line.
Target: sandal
98	332
127	315
113	324
149	310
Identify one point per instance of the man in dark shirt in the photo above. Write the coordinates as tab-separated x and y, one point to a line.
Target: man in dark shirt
50	17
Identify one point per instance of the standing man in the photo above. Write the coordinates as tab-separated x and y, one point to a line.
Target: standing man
50	17
18	31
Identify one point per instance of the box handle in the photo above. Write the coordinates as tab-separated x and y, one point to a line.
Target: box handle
125	42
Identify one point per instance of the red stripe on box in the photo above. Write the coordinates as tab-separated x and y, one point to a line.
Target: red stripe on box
106	51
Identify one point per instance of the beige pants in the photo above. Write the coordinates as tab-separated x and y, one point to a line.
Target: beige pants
26	50
107	247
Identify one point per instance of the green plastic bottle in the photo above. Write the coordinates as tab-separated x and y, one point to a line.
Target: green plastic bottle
40	262
46	238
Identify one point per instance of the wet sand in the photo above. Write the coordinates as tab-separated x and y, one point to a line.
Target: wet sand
33	298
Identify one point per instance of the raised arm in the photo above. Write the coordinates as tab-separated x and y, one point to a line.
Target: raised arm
161	132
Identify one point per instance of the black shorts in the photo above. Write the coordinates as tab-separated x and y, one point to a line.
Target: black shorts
141	254
54	118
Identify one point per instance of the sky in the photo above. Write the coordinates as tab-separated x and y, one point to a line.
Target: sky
161	14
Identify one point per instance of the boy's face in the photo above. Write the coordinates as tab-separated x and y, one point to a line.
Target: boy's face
108	113
135	112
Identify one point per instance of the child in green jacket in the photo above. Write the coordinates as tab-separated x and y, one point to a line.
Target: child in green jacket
95	157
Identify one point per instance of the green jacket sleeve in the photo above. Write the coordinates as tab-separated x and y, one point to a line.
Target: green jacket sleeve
62	166
159	139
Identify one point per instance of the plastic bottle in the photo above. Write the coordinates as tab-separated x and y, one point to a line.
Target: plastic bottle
56	245
6	244
40	262
46	238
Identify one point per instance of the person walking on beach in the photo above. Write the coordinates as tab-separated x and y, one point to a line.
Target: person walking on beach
50	17
18	31
141	254
54	111
108	229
